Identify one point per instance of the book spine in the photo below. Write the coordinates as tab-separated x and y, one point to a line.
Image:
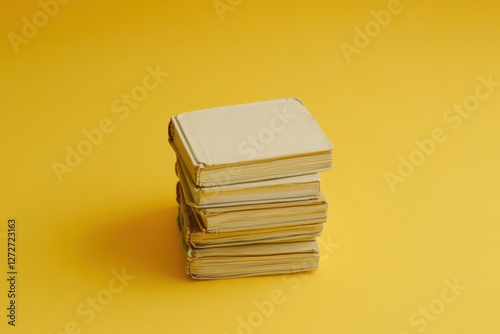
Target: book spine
180	147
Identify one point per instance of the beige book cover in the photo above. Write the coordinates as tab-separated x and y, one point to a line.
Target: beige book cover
250	142
292	188
252	260
253	216
196	236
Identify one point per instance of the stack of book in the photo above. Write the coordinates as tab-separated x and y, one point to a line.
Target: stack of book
248	192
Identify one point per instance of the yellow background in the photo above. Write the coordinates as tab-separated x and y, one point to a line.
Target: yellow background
389	253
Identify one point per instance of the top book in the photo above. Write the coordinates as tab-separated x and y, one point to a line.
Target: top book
250	142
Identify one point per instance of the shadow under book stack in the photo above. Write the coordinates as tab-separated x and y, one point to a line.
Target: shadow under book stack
249	191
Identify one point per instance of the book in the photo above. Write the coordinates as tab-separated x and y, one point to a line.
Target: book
255	216
249	142
287	189
251	259
197	236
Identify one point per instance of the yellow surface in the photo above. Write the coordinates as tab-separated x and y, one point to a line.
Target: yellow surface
389	252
